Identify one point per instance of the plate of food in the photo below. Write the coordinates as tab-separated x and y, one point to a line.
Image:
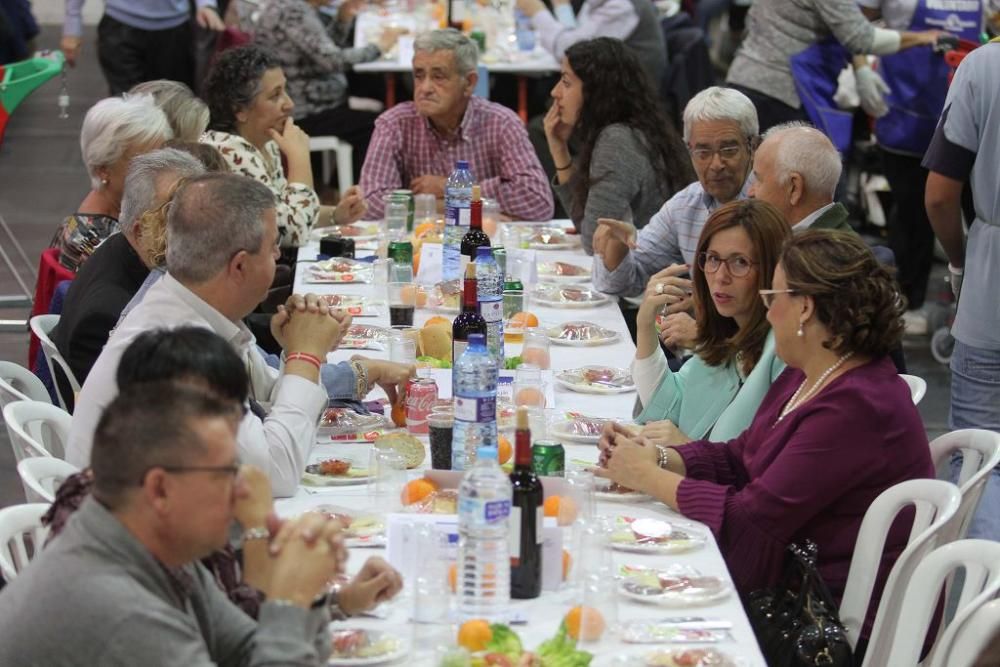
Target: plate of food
654	536
579	428
675	586
567	296
614	492
365	337
353	647
445	297
346	425
579	333
562	272
354	305
551	238
685	657
334	472
361	230
338	270
359	529
596	380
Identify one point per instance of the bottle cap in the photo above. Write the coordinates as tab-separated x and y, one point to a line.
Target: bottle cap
462	164
477	193
477	340
485	452
484	251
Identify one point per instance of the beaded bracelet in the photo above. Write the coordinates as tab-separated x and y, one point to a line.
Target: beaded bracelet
258	533
361	376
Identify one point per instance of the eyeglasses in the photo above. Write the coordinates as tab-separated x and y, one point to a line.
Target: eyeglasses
230	470
767	295
738	265
726	153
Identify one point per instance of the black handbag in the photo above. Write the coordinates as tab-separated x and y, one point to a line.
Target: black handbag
796	623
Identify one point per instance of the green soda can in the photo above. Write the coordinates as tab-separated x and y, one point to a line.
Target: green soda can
500	255
401	252
548	457
407	196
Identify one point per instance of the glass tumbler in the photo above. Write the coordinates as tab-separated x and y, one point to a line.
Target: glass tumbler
536	348
386	479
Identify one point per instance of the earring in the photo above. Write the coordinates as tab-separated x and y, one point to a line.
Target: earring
800	333
104	181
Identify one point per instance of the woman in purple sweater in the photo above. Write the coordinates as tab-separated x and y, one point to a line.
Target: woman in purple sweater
836	429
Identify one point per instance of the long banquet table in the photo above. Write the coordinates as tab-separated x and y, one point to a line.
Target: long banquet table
542	615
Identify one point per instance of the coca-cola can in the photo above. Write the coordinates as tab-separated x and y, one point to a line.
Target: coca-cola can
421	395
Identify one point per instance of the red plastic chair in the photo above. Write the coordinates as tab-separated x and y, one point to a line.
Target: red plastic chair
50	274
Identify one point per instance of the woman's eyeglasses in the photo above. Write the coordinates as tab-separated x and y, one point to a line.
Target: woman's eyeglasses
767	295
737	265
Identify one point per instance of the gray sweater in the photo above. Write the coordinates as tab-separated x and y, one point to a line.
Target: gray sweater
779	29
96	596
623	183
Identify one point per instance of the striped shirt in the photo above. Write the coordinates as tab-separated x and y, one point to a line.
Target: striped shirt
670	237
491	137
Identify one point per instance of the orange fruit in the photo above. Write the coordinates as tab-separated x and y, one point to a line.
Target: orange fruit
563	509
523	320
536	357
530	396
505	450
437	319
453	577
399	411
584	623
567	564
551	506
475	634
416	490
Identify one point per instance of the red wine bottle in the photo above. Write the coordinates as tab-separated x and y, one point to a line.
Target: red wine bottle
475	237
469	321
526	517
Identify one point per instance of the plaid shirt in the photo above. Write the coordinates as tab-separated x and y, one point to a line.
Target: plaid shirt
491	137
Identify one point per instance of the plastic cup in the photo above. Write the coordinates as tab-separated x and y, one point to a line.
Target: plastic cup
386	479
529	388
441	425
536	349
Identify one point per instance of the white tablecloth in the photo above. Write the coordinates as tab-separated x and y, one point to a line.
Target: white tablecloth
543	614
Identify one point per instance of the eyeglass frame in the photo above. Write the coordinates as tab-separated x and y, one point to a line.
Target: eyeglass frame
765	293
717	150
233	470
703	260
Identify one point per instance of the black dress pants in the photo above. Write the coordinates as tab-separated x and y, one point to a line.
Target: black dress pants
910	235
131	55
350	125
770	110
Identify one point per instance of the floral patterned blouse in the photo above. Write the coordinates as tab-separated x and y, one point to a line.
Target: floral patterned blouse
79	235
298	204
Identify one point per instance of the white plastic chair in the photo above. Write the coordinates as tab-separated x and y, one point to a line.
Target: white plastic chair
17	383
980	451
917	385
981	561
935	503
42	326
17	523
973	636
37	429
345	160
41	477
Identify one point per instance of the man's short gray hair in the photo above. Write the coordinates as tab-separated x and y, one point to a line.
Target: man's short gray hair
144	174
187	115
722	104
213	217
465	50
114	125
804	149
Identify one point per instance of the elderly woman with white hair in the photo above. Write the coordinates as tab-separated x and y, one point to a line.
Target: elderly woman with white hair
115	130
187	114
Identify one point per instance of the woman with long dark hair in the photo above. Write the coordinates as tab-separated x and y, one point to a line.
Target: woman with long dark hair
630	158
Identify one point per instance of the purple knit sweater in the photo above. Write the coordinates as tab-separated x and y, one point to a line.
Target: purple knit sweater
810	476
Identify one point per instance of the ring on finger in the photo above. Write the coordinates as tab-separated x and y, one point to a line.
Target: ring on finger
659	288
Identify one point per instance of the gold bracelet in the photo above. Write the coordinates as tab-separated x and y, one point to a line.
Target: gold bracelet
258	533
361	377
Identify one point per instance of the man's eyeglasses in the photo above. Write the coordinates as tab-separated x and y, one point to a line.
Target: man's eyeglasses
767	295
738	265
230	470
726	153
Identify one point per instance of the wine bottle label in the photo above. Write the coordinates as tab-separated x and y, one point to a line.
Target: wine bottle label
539	524
476	409
514	535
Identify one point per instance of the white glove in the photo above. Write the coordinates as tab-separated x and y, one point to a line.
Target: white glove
872	91
955	278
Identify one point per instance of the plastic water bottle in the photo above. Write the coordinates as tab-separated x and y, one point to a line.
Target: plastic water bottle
484	499
457	201
523	32
474	385
489	283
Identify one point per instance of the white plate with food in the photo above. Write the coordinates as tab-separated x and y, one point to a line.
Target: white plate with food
354	647
365	337
338	270
360	529
445	297
361	230
346	425
578	428
562	272
335	472
675	586
353	305
567	296
596	380
581	334
613	492
679	657
549	238
653	536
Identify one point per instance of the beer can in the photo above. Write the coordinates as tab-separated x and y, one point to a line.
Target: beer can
548	457
500	255
421	395
407	196
401	252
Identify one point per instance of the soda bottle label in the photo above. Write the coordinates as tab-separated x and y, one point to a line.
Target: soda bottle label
480	512
492	311
476	409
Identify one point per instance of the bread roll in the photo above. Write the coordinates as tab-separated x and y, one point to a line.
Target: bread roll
435	341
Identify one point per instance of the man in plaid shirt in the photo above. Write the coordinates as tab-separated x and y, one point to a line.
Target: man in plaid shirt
416	144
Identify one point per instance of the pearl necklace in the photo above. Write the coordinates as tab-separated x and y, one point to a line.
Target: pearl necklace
796	400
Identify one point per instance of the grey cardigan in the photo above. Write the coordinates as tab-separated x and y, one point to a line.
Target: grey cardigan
623	183
96	596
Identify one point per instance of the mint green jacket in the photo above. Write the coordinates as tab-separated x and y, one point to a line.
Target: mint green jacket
713	402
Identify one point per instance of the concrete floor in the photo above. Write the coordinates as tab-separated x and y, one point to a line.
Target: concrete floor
42	179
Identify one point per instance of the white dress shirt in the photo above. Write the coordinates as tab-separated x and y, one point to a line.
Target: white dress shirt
280	444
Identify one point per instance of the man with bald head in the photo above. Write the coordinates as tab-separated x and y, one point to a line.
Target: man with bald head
796	170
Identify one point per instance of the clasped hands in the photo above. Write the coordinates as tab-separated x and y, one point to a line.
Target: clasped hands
306	323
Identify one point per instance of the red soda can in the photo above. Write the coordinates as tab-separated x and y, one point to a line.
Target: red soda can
421	395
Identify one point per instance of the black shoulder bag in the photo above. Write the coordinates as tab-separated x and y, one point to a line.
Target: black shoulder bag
796	623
